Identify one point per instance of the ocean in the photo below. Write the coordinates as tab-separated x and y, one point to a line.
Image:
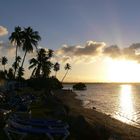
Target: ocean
120	101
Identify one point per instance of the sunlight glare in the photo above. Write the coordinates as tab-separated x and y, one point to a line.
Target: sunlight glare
126	110
123	71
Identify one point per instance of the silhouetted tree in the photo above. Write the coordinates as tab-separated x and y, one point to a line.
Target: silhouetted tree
30	40
50	53
16	38
56	68
16	64
4	61
10	74
2	75
20	73
67	68
41	64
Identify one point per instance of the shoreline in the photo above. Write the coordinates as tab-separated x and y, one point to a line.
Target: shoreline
96	118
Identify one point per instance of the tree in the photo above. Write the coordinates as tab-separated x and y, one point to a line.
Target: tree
20	73
41	64
67	68
2	75
56	68
4	61
30	40
10	74
16	63
50	53
16	39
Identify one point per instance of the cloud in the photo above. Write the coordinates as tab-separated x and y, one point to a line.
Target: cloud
112	51
8	50
3	31
92	50
130	53
89	50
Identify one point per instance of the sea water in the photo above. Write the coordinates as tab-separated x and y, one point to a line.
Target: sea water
121	101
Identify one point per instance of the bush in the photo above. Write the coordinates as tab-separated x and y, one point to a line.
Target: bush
79	86
45	83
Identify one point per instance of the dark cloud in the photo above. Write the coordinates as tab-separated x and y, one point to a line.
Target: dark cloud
112	51
91	48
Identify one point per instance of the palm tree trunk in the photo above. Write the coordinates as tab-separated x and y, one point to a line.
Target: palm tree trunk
15	63
64	76
23	59
33	73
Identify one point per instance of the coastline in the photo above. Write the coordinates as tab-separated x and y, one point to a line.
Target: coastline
96	118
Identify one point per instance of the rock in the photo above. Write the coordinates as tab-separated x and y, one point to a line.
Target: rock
79	86
94	108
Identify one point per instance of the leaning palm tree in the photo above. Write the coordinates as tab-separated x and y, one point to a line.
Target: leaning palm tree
16	39
67	68
4	61
34	64
56	68
30	40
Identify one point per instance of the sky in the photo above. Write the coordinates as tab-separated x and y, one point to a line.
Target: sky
91	35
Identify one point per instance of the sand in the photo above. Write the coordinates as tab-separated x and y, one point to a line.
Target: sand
98	119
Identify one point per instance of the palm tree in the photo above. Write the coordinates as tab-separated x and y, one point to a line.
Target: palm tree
4	61
30	40
20	73
50	53
33	64
41	64
16	63
16	38
56	68
67	68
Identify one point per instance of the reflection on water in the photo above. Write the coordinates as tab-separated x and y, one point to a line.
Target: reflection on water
126	109
121	101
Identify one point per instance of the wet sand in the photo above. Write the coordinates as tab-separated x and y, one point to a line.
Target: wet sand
98	119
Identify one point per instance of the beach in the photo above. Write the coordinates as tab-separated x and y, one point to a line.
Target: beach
97	119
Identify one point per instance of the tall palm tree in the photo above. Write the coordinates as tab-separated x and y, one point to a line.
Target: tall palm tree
4	61
67	68
41	64
16	39
30	40
56	68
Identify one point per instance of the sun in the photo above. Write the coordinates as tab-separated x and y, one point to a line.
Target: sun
123	71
